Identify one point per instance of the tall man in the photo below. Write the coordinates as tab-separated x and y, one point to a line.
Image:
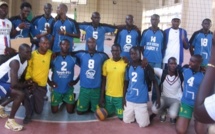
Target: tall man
37	71
5	29
64	28
128	36
43	23
201	42
91	62
22	28
152	42
204	106
175	40
96	30
10	84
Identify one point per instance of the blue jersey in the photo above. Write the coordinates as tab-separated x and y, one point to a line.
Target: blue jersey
192	82
137	91
40	23
23	33
91	68
63	72
126	39
202	44
70	26
153	41
97	33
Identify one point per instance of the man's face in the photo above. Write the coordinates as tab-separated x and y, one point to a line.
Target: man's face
176	23
206	25
129	20
91	44
194	63
26	53
3	11
155	20
115	52
96	18
44	45
64	46
48	9
172	65
134	54
25	12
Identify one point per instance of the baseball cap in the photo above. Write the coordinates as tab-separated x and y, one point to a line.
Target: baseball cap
3	3
176	16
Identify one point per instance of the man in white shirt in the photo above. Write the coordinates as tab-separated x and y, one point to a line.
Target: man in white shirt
175	40
5	28
171	91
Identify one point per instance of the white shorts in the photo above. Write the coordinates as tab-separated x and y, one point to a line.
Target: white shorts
136	111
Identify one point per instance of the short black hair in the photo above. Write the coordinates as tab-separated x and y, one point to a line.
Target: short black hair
116	45
25	4
206	19
199	57
65	40
172	58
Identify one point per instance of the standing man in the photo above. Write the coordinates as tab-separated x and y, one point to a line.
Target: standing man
64	28
22	28
152	42
5	28
128	36
43	23
96	30
113	78
37	71
204	105
201	42
62	78
10	84
175	40
192	80
91	62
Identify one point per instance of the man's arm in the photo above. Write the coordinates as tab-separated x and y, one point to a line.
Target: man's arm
15	84
102	95
206	89
184	39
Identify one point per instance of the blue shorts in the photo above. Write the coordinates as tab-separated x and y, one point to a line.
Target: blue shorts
4	89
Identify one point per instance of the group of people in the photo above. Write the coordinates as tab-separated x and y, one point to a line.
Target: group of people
119	84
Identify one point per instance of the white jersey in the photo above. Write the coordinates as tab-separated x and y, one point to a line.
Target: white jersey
5	29
5	69
171	85
173	45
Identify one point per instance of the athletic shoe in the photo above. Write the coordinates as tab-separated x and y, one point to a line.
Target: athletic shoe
152	116
27	119
163	118
2	113
172	121
12	125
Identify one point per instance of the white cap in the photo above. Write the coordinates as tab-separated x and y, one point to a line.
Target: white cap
176	16
3	3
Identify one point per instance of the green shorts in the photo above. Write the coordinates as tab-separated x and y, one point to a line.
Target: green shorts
113	105
88	97
186	111
57	98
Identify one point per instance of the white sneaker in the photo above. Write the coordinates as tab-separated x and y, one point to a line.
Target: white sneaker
12	125
2	113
